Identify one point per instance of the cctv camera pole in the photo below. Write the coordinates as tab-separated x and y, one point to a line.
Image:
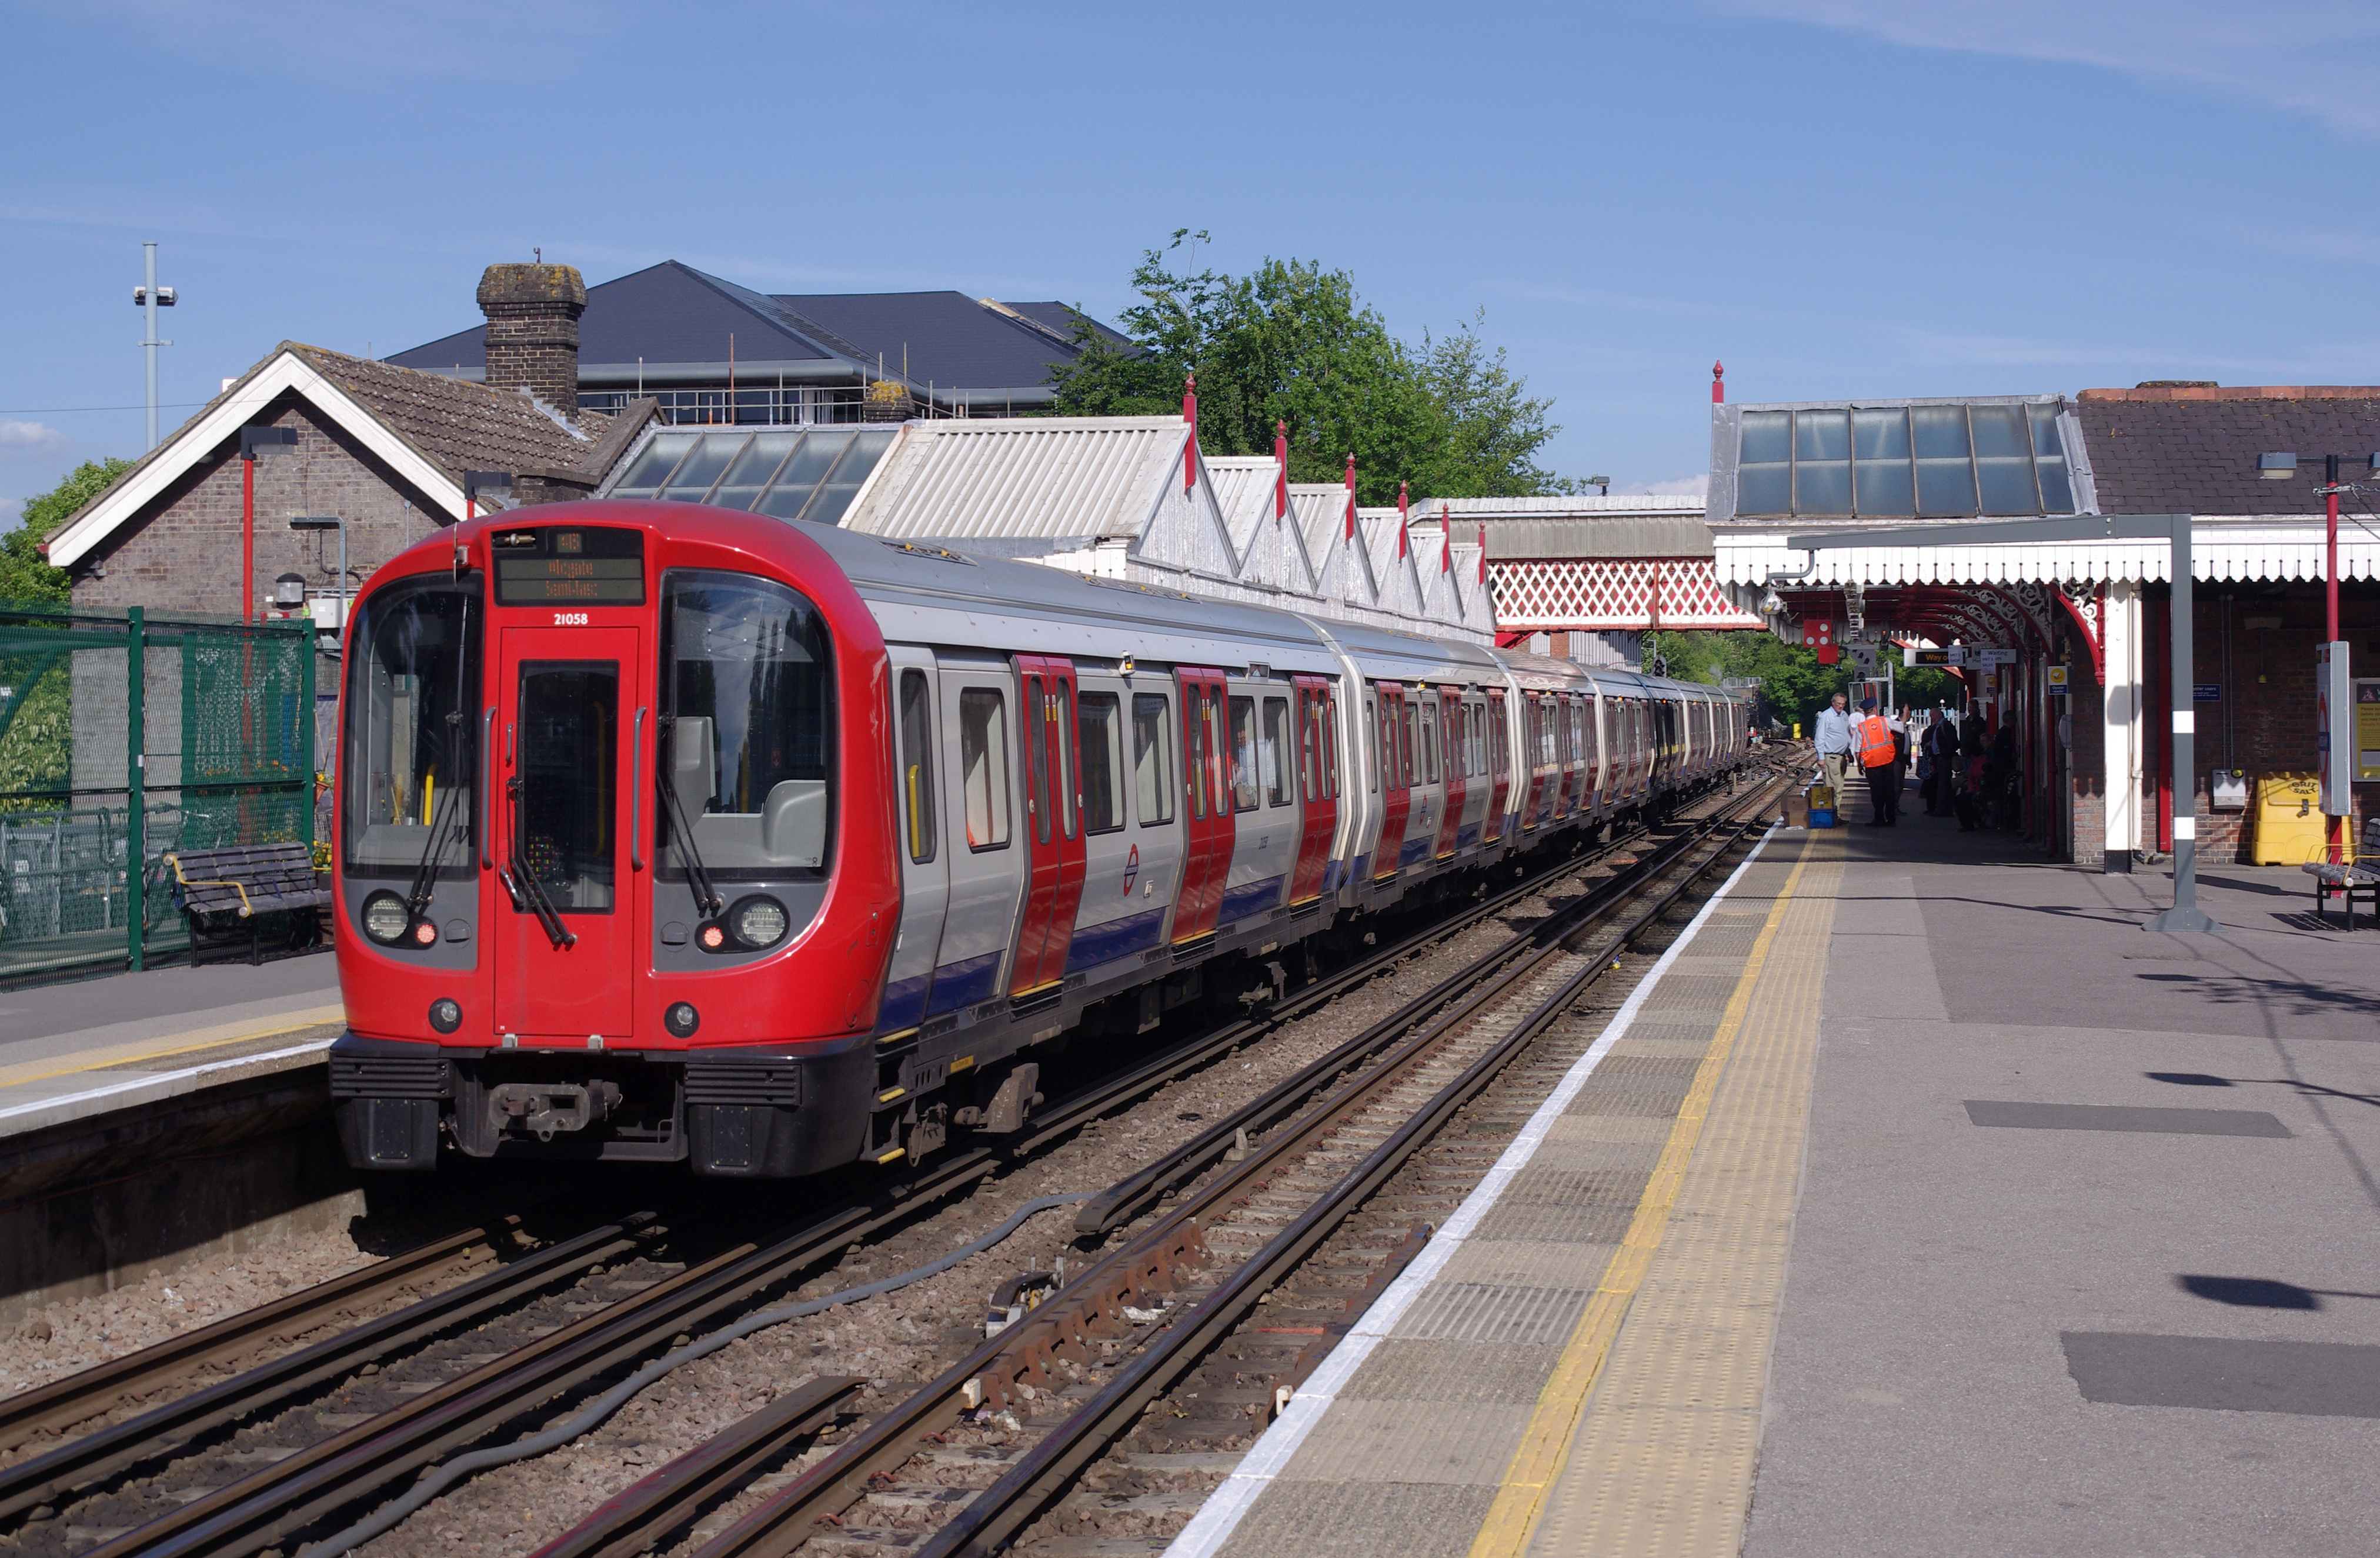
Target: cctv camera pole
2333	826
148	302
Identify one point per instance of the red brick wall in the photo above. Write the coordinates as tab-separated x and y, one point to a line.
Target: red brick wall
182	553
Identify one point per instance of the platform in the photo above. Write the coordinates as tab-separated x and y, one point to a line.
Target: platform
1922	1203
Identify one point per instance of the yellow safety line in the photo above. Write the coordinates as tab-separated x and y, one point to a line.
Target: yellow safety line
1553	1426
131	1055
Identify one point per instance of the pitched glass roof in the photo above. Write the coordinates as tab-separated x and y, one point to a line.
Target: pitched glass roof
1901	461
785	474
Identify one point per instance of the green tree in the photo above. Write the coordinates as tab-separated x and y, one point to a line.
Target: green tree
25	574
1292	342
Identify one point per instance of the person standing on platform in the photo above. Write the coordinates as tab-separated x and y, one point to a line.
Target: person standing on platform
1940	765
1872	739
1835	744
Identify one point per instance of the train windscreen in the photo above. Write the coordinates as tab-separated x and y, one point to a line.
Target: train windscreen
748	715
413	723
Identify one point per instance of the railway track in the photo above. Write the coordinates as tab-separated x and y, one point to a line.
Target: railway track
966	1464
640	1307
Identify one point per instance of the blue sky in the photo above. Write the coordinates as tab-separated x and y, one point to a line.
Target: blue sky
1837	196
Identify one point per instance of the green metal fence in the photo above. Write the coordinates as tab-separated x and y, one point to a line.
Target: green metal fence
124	737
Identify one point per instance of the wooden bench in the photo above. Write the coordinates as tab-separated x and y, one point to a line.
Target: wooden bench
229	896
2356	871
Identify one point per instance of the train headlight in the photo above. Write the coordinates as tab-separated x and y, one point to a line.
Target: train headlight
682	1019
759	921
445	1014
386	919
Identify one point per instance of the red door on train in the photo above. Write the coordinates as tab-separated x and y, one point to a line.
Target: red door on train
1500	762
1532	756
1396	783
572	743
1053	833
1317	780
1454	747
1206	805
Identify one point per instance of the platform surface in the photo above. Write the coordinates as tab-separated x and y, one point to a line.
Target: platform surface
78	1050
1924	1204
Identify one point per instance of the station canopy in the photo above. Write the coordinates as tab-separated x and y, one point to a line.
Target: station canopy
787	474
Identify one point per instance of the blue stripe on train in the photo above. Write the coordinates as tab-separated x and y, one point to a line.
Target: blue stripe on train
904	1003
1414	849
1249	898
964	983
1095	944
1466	835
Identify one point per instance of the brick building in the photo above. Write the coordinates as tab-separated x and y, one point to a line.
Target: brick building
386	450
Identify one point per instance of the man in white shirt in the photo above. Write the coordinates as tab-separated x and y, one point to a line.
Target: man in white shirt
1835	744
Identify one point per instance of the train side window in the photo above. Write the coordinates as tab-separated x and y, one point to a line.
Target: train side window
1372	743
983	763
1062	728
1152	759
1309	759
1102	756
1272	747
1406	745
917	763
1329	717
1245	757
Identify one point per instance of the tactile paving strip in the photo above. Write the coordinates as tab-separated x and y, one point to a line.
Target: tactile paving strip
1661	1461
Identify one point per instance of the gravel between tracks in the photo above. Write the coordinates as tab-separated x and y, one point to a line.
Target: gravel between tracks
902	1339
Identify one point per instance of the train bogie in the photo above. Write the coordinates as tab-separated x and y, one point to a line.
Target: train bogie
673	834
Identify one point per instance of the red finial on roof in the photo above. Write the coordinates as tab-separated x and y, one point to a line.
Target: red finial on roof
1402	521
1351	497
1718	384
1483	550
1190	415
1445	537
1281	473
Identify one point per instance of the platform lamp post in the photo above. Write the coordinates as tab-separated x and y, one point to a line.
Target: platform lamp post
2338	768
2172	528
255	443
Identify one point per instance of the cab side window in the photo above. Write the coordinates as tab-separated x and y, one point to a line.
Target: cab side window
917	763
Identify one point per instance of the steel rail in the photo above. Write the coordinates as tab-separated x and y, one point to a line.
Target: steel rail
162	1431
1087	1310
260	1510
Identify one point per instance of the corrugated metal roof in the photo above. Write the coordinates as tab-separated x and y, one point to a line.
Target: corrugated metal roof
1041	476
1577	505
1243	486
1613	535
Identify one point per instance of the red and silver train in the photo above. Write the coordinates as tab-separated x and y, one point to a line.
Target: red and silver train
671	834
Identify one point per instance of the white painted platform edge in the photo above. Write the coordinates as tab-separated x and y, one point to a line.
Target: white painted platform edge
161	1084
1221	1514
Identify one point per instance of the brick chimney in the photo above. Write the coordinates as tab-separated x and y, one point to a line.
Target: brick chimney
533	329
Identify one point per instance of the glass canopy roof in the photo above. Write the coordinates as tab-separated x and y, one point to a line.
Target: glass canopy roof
789	475
1977	458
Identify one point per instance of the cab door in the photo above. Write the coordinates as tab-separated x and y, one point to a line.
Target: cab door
1317	789
568	830
1053	826
925	870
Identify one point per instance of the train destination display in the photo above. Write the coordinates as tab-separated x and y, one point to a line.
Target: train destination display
589	566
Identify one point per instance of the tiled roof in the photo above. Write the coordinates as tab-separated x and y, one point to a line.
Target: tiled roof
2193	451
462	426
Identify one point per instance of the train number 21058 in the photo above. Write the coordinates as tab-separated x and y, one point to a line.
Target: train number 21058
570	619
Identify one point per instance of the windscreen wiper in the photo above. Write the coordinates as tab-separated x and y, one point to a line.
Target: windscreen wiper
442	819
528	892
706	897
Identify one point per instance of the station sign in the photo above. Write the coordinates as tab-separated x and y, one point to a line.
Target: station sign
1984	655
1989	657
1925	657
2058	683
2207	693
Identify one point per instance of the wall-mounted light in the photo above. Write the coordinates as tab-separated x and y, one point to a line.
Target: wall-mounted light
2277	467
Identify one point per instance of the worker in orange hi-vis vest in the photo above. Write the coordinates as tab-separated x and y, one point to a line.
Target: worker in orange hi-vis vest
1879	758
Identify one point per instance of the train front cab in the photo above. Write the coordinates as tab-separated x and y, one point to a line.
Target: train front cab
600	829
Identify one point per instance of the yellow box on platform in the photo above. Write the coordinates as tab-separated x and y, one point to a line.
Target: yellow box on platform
2291	828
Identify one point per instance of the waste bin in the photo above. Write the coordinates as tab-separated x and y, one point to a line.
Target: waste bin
2291	828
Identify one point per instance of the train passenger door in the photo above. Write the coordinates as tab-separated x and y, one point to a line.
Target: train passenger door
1053	829
1396	780
1499	763
1317	786
570	707
1454	751
925	872
1560	709
1205	803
